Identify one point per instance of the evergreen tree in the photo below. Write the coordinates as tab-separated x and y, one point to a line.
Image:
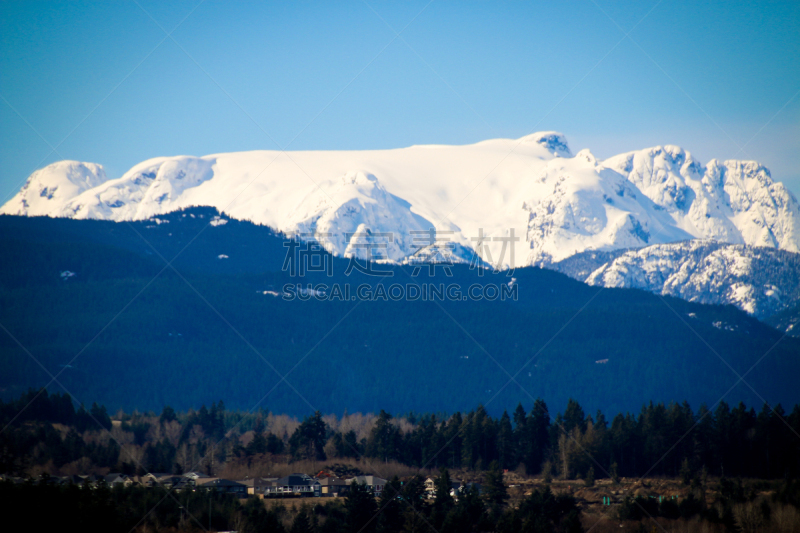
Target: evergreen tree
100	416
589	479
414	491
360	508
390	506
574	417
259	426
613	472
302	523
167	415
259	519
274	444
506	453
443	501
257	445
544	512
494	490
346	445
454	438
308	440
521	434
537	434
384	438
468	515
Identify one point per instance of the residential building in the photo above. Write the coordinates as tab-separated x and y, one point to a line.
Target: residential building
334	486
225	485
374	483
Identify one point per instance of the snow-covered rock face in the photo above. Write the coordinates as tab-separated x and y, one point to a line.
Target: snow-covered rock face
734	201
554	142
151	188
582	205
48	189
514	202
354	216
760	281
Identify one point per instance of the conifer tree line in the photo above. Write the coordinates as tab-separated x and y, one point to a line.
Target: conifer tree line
661	440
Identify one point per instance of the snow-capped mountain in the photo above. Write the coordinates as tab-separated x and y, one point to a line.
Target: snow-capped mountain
734	201
514	202
53	186
761	281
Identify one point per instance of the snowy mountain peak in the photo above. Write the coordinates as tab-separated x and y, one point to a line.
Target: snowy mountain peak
587	156
734	201
584	205
553	141
46	189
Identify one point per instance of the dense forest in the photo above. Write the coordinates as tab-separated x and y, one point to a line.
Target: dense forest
44	433
178	312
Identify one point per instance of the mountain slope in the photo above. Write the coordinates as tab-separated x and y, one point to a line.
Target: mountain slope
787	321
145	338
760	281
480	197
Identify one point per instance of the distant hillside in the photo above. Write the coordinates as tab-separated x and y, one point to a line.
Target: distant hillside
787	321
761	281
154	339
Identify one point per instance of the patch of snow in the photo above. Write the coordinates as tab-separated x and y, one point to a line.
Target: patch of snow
722	325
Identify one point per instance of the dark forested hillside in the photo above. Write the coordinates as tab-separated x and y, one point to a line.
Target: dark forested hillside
94	304
787	321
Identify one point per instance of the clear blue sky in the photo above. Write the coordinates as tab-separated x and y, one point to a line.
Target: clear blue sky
92	79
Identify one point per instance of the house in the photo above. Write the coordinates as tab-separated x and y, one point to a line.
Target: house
334	486
118	480
258	485
373	483
294	484
225	485
196	477
74	479
95	480
176	482
430	487
151	480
